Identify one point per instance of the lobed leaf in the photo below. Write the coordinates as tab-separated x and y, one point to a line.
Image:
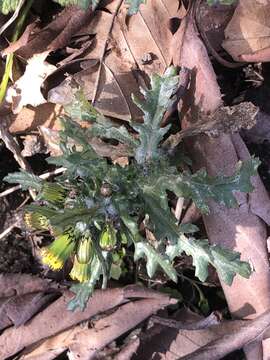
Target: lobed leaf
226	262
156	102
201	187
134	6
25	179
154	259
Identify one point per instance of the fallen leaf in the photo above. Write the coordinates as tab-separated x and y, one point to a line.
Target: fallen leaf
214	342
247	36
139	45
36	71
237	229
51	321
21	284
30	118
18	309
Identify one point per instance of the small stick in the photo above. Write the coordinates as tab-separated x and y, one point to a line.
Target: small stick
212	319
179	208
8	230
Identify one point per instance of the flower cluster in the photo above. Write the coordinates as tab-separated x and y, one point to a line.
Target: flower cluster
71	245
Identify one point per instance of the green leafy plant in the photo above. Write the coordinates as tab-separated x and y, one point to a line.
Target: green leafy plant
97	209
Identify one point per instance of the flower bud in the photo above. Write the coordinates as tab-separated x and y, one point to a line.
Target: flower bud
108	238
36	221
85	250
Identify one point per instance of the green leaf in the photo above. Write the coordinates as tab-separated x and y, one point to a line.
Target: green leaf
109	131
7	6
25	179
164	222
84	291
154	259
226	262
156	102
200	187
80	108
84	4
72	216
134	6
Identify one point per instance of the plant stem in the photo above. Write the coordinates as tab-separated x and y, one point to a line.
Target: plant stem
10	57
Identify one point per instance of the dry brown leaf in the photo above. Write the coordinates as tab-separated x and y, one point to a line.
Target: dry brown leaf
140	44
51	321
189	51
21	284
17	310
214	342
56	34
249	32
237	229
85	343
30	118
35	73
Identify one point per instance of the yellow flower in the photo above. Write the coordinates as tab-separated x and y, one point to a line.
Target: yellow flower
59	251
80	271
107	240
37	221
85	249
53	192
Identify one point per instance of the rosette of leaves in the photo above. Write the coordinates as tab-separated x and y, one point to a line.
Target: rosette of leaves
96	208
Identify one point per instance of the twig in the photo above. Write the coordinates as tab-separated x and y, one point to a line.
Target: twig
179	208
212	319
43	176
13	146
104	51
8	230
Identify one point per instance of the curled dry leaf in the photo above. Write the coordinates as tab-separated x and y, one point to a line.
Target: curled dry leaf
239	229
84	343
17	310
214	342
35	73
21	284
247	36
51	321
139	44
